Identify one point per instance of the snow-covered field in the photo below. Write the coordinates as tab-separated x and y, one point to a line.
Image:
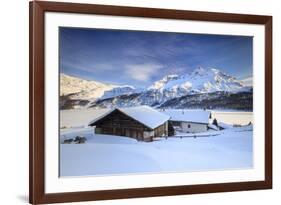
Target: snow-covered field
233	117
111	155
79	117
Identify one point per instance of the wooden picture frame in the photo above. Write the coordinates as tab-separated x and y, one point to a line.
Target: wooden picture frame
37	193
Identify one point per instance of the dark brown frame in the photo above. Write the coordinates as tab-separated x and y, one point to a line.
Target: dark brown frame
37	194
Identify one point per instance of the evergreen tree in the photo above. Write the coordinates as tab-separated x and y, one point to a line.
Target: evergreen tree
215	122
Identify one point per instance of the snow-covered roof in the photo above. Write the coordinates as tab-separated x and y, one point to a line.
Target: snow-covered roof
197	116
143	114
100	116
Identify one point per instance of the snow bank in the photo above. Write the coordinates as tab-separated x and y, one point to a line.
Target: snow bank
111	155
79	117
231	148
233	117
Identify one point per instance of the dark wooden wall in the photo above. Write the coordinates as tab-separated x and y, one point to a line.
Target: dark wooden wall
117	123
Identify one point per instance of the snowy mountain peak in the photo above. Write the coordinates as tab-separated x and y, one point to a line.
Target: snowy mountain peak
170	77
247	81
121	90
163	82
199	71
82	89
211	72
200	80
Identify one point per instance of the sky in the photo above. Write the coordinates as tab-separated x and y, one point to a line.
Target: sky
140	58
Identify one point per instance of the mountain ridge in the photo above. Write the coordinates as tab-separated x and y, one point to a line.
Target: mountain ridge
199	81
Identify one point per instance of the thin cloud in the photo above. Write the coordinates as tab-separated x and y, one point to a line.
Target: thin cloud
142	72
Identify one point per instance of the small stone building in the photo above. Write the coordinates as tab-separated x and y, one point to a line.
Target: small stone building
142	123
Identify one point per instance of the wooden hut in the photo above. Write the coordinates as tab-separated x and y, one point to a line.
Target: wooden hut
142	123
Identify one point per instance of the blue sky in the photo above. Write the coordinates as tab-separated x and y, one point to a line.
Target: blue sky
139	58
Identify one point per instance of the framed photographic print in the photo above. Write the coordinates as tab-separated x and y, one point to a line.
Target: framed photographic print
132	102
